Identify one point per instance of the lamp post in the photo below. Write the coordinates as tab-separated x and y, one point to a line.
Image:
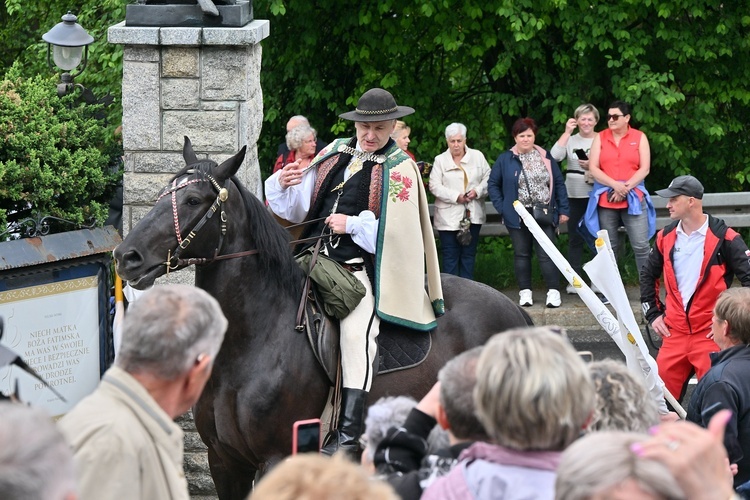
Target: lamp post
68	46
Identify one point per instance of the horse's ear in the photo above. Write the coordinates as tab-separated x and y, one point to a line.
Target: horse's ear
188	153
230	166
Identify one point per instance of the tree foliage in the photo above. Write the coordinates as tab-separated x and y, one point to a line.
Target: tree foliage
55	155
682	64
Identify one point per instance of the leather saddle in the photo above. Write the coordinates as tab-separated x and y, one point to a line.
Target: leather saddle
399	348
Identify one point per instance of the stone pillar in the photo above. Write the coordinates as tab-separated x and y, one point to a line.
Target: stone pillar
203	83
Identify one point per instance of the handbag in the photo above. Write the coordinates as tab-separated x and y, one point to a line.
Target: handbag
464	230
542	212
464	226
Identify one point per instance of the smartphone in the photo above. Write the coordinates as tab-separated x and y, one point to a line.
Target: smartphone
306	436
581	154
586	356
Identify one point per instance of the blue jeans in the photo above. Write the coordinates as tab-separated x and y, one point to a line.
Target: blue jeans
576	239
636	227
459	259
523	241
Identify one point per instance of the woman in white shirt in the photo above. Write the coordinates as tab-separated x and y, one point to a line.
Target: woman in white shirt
578	181
459	182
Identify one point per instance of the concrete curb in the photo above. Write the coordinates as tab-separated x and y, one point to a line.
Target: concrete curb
574	315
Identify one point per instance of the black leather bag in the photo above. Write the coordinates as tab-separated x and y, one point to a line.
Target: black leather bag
542	214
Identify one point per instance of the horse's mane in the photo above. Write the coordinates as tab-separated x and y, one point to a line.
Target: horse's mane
275	254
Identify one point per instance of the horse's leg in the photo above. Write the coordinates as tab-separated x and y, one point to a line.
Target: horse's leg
230	483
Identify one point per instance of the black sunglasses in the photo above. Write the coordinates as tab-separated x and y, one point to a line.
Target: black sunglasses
614	117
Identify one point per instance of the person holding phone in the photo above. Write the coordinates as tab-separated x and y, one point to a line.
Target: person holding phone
578	180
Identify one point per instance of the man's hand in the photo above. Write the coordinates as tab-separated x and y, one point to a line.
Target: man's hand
564	219
290	175
471	195
337	223
430	402
660	327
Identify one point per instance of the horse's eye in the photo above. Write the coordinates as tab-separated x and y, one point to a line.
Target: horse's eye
193	201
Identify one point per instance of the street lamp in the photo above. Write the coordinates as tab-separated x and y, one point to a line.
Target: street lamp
68	46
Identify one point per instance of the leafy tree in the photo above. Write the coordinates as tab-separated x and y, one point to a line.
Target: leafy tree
682	64
55	155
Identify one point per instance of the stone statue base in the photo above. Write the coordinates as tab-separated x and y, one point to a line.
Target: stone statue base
182	15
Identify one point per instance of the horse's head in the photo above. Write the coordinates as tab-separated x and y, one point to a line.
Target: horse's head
188	221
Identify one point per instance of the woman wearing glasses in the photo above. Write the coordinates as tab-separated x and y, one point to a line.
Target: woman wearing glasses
619	161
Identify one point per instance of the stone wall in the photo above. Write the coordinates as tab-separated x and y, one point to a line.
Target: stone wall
203	83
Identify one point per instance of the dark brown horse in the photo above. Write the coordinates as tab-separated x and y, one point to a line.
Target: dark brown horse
265	376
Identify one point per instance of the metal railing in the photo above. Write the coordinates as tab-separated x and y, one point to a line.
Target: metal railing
733	208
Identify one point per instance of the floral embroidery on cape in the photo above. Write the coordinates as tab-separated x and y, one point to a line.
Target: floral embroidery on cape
398	187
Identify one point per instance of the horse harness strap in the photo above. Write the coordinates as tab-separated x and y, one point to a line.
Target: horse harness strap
173	261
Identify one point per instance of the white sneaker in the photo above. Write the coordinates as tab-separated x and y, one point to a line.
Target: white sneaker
553	298
570	290
525	298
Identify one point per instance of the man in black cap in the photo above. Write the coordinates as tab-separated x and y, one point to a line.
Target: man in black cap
373	211
698	255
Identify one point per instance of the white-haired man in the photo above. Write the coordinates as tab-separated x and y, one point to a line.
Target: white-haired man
124	440
370	202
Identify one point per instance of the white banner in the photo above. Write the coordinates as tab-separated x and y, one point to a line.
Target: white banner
605	275
602	314
55	329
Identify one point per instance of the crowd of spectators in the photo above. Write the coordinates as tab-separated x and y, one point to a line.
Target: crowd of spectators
525	416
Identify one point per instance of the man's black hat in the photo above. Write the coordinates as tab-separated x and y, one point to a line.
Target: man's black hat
684	184
376	105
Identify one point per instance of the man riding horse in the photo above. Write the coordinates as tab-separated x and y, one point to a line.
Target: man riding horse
374	215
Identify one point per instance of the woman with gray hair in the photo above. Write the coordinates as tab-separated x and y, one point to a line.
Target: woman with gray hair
386	412
302	143
622	401
533	395
602	466
459	182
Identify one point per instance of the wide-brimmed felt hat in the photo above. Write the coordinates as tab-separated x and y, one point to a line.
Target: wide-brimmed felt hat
376	105
684	184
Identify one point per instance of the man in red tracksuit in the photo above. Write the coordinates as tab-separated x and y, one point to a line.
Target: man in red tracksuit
698	255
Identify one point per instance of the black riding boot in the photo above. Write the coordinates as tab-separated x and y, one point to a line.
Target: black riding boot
351	424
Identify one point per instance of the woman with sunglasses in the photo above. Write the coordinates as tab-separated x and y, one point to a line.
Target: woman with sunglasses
619	161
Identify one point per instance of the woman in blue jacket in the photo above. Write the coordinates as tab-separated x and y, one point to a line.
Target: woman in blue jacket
529	174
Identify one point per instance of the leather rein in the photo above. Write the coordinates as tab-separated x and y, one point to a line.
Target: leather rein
174	261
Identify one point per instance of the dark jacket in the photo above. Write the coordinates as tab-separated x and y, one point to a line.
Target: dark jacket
402	459
724	256
503	187
727	386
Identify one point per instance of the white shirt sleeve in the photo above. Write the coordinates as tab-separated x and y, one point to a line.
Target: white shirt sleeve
292	203
364	230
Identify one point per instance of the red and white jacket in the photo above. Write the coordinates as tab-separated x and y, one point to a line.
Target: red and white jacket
725	255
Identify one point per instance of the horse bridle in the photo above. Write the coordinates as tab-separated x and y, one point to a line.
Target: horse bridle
174	261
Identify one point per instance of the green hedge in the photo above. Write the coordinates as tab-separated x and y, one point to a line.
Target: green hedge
55	155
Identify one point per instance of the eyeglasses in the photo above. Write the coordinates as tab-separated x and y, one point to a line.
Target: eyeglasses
614	118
